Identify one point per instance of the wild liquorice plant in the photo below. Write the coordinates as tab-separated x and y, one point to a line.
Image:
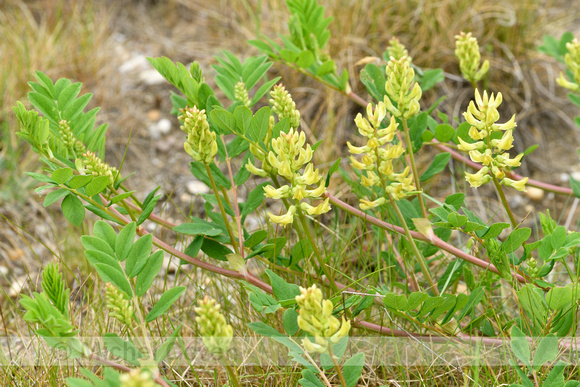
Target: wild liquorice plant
413	230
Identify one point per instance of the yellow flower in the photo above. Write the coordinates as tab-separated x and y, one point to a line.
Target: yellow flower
479	178
284	220
506	141
520	185
367	204
322	208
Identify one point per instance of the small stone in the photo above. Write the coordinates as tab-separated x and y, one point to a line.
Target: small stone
551	196
164	125
196	187
529	208
516	201
535	194
576	176
151	77
137	62
153	115
185	198
564	177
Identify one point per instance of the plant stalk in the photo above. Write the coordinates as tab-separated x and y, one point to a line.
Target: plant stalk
414	167
222	209
418	254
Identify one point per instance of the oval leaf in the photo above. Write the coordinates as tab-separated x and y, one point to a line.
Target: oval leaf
165	302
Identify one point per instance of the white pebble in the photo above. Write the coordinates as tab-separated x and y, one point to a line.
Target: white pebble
151	77
164	125
137	62
535	194
564	177
196	187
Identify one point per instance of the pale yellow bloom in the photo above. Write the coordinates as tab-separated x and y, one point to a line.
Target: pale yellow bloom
479	178
367	204
284	220
520	185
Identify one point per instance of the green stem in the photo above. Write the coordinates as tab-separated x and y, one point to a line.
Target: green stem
231	372
418	254
414	167
508	210
317	253
222	209
337	367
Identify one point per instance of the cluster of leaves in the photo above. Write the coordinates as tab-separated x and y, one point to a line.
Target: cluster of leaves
304	47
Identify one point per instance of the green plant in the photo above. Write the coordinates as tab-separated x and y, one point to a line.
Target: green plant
412	241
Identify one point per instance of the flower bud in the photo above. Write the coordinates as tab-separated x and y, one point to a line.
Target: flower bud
216	334
201	142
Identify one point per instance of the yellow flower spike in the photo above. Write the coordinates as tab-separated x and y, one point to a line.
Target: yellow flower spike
216	334
315	317
506	141
284	220
401	88
467	51
520	185
284	106
397	50
201	142
479	178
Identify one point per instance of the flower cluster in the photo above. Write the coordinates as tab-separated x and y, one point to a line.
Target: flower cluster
489	149
284	106
288	156
119	307
315	317
241	93
401	89
69	140
397	50
467	51
216	334
201	142
137	377
378	156
572	59
91	164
